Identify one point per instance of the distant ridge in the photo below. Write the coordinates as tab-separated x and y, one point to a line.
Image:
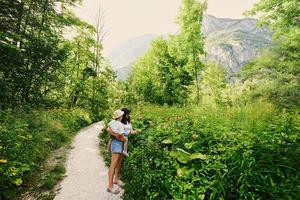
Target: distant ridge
230	42
122	56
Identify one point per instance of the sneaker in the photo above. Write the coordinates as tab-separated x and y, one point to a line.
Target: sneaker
125	153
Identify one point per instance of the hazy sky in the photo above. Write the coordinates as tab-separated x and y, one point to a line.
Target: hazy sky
127	19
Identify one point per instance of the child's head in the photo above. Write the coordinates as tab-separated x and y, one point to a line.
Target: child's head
117	115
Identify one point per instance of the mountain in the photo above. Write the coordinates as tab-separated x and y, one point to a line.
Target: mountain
233	42
230	42
122	56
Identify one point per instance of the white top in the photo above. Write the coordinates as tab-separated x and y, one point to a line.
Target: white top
127	128
117	127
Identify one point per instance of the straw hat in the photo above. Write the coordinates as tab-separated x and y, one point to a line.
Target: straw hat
117	114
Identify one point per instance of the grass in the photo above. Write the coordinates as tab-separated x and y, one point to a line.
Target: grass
54	176
29	143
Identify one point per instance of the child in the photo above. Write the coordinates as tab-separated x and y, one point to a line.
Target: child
117	127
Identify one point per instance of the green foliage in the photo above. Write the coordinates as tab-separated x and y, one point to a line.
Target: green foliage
31	50
271	78
41	69
50	70
280	15
190	38
278	69
240	143
55	175
27	138
85	79
159	77
197	153
212	84
162	75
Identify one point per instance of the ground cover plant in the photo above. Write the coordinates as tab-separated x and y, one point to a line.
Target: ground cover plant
26	139
247	152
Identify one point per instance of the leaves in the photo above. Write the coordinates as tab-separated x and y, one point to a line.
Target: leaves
181	155
26	140
278	68
160	76
200	156
18	181
167	141
228	152
189	145
184	172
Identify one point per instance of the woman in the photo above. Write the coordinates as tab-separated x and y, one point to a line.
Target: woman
117	146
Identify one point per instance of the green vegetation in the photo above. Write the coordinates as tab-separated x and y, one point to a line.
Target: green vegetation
50	86
26	140
40	68
205	136
244	152
163	74
241	141
56	175
279	67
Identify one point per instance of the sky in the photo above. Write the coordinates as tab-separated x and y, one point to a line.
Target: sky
127	19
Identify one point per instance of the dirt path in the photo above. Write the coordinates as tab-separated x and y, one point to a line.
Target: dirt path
86	172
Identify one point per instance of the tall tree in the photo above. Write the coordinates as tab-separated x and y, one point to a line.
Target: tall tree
159	76
101	32
33	36
191	40
171	65
213	81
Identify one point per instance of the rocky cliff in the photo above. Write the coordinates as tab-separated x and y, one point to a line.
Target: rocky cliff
233	42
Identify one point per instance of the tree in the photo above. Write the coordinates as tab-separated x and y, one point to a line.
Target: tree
280	66
101	33
164	73
159	76
213	81
32	33
144	83
190	39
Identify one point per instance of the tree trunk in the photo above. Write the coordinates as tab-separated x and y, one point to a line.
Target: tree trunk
24	28
198	88
43	17
19	24
196	77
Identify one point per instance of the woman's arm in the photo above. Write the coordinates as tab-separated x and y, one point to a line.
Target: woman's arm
111	132
116	135
135	131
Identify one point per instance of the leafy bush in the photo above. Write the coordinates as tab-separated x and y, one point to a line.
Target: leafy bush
248	152
27	138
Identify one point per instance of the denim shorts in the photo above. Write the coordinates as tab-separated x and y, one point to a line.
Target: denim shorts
117	146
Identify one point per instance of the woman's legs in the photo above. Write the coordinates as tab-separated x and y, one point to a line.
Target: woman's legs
118	169
115	157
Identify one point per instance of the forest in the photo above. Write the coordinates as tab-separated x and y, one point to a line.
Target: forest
205	134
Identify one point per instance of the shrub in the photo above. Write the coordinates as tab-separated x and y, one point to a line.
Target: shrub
248	152
26	139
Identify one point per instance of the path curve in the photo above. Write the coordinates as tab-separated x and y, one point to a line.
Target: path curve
85	169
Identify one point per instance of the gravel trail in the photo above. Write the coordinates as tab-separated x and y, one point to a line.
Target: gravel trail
86	173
